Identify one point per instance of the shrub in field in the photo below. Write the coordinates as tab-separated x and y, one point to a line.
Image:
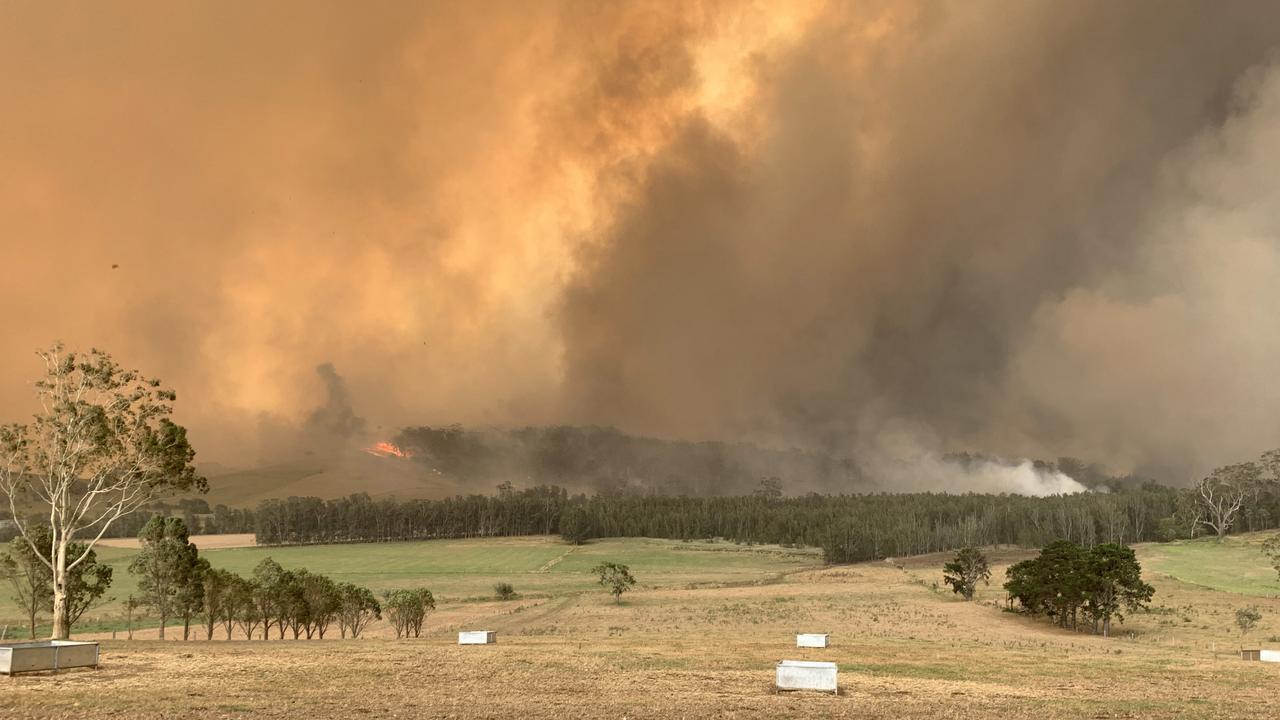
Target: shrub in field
504	591
1247	618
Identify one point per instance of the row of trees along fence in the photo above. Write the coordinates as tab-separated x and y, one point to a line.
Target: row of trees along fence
177	584
848	527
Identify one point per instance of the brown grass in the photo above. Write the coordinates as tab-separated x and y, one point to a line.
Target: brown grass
905	651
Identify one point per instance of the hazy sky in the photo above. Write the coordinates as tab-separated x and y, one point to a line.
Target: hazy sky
1031	228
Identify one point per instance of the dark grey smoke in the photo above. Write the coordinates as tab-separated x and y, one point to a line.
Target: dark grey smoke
907	256
335	419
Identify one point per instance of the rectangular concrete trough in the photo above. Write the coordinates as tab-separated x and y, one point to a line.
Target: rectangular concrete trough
477	637
39	655
806	675
813	640
1263	655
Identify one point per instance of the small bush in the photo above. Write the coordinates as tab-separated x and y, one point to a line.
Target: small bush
504	591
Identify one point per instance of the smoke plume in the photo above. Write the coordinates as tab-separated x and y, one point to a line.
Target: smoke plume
1032	228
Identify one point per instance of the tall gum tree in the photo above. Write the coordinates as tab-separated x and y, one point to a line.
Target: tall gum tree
102	446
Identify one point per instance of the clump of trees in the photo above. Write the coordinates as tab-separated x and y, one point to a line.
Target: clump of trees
965	571
616	577
1067	582
407	609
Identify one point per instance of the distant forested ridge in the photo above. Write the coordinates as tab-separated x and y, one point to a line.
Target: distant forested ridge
605	459
848	528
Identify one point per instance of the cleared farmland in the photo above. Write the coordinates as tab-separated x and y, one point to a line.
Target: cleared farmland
675	648
459	569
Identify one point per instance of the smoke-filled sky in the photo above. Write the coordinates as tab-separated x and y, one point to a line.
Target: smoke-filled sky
1027	228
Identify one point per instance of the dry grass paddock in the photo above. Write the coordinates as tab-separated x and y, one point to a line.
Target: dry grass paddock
905	649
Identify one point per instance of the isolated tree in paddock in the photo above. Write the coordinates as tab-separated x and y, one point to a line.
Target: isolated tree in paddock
965	571
165	566
102	446
1247	618
1114	580
1104	582
1221	496
504	591
357	608
407	609
616	577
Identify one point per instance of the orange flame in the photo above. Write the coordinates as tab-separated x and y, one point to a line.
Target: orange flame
382	448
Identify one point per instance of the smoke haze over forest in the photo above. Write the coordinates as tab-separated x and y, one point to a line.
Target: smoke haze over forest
885	230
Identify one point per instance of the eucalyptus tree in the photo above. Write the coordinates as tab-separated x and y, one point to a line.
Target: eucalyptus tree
407	609
616	577
357	607
965	571
167	567
102	446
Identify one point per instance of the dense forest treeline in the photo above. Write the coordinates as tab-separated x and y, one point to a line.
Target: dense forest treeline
848	527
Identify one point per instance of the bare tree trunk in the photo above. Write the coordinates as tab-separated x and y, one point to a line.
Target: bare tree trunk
60	629
164	619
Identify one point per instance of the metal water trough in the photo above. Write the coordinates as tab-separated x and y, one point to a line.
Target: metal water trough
39	655
807	675
813	640
477	637
1263	655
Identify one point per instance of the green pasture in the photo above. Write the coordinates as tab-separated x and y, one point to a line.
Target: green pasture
1235	565
456	570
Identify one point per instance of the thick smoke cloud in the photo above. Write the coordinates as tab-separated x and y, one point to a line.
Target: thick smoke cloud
1032	229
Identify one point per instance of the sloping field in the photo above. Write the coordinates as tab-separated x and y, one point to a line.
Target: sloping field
1234	565
905	650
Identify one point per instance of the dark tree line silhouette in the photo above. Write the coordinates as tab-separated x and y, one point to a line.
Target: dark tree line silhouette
848	528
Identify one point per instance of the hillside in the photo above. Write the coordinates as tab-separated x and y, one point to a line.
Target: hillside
349	473
427	462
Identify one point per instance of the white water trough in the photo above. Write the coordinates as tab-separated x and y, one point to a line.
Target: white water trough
39	655
806	675
813	640
1263	655
477	637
